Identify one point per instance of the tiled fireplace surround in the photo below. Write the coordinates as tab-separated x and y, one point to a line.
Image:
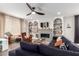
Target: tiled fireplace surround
44	31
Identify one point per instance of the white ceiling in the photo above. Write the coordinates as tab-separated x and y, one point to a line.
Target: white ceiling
50	9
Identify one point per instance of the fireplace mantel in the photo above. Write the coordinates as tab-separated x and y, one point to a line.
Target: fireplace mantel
46	31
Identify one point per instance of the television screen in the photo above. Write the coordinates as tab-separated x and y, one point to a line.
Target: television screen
43	35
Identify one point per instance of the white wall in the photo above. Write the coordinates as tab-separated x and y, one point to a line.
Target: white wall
69	32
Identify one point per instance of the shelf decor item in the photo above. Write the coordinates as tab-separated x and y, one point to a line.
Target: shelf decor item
30	27
68	26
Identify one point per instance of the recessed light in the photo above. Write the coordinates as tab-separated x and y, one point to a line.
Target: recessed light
58	13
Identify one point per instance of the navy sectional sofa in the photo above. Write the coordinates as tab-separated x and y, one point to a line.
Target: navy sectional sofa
28	49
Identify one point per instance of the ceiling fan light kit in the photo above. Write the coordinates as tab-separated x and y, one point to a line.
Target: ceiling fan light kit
33	13
33	10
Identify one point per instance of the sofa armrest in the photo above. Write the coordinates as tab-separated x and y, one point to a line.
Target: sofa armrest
12	53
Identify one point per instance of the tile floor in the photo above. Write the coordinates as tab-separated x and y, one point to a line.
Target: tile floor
11	47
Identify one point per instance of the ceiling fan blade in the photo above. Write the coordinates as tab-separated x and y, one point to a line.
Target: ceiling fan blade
28	14
29	7
39	13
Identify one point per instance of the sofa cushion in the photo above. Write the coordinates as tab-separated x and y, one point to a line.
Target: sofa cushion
66	40
21	52
71	46
51	51
29	46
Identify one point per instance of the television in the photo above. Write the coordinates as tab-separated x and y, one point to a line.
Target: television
43	35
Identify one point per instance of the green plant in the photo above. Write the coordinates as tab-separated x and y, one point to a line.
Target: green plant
8	34
0	42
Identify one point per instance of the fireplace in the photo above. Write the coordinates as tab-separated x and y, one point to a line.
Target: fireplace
45	35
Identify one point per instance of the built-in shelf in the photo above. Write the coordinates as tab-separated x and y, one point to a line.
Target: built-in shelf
57	27
33	27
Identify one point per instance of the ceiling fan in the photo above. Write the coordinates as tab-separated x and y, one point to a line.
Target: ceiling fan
33	10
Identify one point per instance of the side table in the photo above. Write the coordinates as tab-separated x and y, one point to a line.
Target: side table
3	44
